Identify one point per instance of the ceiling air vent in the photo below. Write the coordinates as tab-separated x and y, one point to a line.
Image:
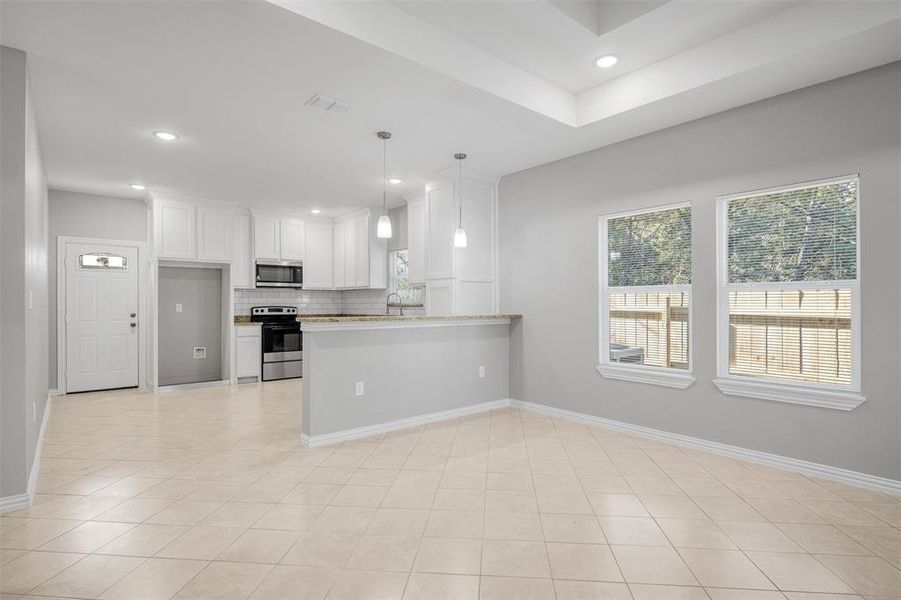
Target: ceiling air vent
323	102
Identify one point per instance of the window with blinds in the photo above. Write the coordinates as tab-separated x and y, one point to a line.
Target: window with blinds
646	288
789	291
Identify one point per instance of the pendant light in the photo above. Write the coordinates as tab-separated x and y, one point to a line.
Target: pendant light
460	233
383	230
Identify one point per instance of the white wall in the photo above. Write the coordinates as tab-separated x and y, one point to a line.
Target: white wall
90	216
23	277
549	271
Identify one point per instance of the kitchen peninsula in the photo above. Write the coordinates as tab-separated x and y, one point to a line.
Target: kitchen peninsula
367	374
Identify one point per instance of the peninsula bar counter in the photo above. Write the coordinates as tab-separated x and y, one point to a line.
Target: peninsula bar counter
413	370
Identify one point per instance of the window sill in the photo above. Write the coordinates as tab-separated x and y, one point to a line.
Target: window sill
793	394
653	376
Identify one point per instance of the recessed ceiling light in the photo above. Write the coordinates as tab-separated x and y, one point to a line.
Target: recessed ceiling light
138	186
315	211
395	180
165	136
607	61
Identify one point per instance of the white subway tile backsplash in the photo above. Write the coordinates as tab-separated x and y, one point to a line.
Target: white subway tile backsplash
350	302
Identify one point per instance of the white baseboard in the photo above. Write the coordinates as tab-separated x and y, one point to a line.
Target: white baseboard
370	430
11	503
874	482
20	501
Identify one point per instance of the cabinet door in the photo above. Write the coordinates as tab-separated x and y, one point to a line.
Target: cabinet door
338	274
266	238
292	239
350	254
241	260
212	234
441	224
416	241
176	232
317	266
361	225
247	355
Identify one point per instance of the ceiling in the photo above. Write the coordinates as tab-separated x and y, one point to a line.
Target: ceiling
513	84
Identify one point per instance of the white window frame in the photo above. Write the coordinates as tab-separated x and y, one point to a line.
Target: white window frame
664	376
839	397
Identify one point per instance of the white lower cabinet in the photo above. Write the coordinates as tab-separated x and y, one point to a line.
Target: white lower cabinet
248	346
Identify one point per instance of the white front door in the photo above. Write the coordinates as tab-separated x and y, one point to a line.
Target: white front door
101	317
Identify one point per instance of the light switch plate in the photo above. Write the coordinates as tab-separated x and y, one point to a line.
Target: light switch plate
481	371
359	388
178	307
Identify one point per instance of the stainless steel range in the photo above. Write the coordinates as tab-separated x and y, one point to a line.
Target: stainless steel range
282	341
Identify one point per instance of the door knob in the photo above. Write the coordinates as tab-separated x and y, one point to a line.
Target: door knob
132	315
133	324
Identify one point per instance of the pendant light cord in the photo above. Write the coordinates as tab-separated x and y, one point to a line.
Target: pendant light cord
460	162
384	176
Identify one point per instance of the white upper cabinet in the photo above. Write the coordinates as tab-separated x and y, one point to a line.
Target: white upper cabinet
338	258
266	236
458	280
291	243
416	240
476	261
442	220
241	250
359	258
361	224
350	253
318	267
278	238
212	234
175	229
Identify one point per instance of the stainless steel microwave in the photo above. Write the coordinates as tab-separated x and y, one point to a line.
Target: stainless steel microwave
282	274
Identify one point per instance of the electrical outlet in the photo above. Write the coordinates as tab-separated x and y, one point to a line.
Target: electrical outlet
359	388
481	371
200	352
179	307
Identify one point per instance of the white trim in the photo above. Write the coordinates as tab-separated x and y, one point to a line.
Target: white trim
789	188
345	435
841	397
143	314
190	386
414	322
13	503
664	376
53	392
21	501
796	465
786	392
647	374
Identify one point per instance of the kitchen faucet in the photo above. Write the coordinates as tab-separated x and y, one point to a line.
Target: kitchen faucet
400	303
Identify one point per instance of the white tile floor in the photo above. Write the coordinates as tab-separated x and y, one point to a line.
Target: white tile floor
206	493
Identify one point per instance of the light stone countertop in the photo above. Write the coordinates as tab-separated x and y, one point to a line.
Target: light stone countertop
372	318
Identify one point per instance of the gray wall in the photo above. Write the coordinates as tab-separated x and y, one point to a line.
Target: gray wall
549	265
199	291
89	216
23	277
406	373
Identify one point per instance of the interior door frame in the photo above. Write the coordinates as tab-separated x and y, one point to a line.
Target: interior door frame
62	242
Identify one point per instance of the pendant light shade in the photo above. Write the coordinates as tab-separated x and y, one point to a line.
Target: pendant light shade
460	238
460	233
383	229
